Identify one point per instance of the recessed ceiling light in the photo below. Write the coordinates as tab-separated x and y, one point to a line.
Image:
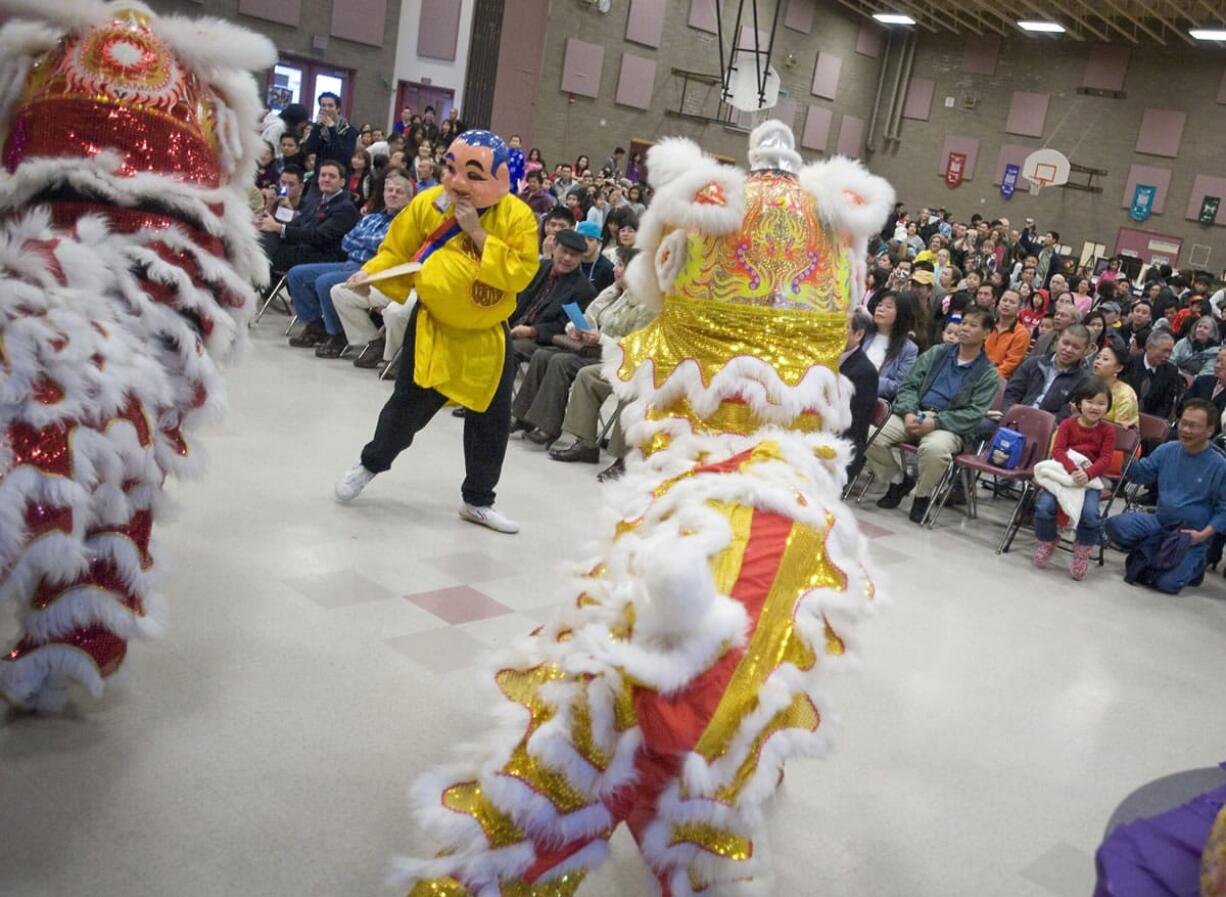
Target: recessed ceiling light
1048	27
1208	33
893	18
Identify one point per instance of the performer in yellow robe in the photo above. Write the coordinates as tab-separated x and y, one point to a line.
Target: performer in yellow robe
475	248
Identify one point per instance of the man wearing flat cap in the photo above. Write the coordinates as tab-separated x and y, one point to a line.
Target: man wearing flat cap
539	316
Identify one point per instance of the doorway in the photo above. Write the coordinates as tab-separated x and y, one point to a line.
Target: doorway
418	96
294	80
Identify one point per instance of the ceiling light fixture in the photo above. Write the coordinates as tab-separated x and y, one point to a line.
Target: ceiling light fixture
1045	27
893	18
1208	33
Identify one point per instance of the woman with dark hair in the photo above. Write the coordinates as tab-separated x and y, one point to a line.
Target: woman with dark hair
634	168
1109	364
360	170
1082	296
890	347
416	137
582	164
446	133
1096	323
535	161
634	196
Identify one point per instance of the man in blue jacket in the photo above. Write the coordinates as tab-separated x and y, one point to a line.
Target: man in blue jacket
1191	479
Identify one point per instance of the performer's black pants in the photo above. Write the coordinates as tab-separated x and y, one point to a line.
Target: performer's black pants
411	407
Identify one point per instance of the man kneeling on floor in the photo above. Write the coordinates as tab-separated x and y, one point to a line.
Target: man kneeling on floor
940	404
1167	548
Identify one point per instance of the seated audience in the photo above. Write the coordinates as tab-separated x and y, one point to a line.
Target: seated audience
1136	328
540	403
1153	378
559	218
319	225
1211	387
857	368
538	315
1191	480
353	307
427	174
1009	340
1195	353
595	267
536	196
1050	383
1064	315
939	406
1083	449
889	346
1109	364
310	285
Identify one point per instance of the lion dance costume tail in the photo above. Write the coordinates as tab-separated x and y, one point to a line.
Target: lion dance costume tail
126	262
731	584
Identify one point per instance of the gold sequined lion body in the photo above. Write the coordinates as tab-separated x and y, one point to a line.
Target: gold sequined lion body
731	579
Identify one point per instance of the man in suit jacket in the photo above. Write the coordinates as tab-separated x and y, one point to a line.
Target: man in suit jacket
1155	380
315	233
856	367
538	316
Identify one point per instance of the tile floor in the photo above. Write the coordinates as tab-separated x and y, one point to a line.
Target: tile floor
320	656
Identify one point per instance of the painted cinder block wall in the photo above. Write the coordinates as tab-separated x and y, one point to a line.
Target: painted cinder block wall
1175	78
373	65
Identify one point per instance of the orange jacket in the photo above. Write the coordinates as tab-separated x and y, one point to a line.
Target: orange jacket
1007	350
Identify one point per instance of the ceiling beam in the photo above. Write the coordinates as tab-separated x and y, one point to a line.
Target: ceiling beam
1175	29
1085	23
997	22
1135	21
924	17
1049	16
1132	38
1212	10
868	11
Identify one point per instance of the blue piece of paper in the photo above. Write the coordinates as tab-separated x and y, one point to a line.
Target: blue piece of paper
576	316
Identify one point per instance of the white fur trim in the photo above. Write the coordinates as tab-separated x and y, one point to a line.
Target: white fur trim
849	199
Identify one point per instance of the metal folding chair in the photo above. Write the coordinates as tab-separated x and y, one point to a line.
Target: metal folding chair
1036	426
275	293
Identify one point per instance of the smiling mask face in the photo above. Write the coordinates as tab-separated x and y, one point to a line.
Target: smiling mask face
476	169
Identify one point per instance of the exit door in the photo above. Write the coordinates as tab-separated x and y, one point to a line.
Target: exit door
418	96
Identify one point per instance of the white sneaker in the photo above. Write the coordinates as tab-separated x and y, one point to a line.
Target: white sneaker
488	517
352	482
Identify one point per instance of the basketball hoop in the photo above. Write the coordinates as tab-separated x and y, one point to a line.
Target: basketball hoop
1045	168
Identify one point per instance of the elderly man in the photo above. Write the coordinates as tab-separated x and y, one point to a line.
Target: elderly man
1064	316
939	407
470	248
1191	480
1153	378
1049	383
538	315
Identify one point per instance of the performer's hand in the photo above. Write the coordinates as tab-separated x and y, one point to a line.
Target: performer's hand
358	283
466	217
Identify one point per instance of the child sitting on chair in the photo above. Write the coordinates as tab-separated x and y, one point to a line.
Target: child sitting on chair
1070	480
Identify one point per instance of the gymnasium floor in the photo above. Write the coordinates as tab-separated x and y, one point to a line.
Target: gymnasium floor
320	656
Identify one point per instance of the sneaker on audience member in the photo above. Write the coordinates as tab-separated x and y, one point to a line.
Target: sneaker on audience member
1042	554
896	493
919	508
613	472
1080	565
352	482
489	518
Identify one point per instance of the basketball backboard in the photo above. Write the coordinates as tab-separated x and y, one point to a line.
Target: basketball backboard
1045	168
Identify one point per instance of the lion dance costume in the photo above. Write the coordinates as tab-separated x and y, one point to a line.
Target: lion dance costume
126	262
731	583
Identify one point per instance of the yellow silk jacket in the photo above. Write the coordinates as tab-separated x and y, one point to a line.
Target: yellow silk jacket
465	296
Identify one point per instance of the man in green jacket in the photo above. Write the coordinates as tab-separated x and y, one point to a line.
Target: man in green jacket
939	406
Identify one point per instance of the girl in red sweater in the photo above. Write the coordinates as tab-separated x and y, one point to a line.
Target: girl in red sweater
1094	439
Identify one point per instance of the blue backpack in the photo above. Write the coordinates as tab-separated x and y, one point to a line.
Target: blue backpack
1006	449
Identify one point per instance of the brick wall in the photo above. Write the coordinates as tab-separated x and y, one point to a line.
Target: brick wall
372	86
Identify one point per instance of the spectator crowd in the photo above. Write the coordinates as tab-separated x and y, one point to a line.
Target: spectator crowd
963	323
